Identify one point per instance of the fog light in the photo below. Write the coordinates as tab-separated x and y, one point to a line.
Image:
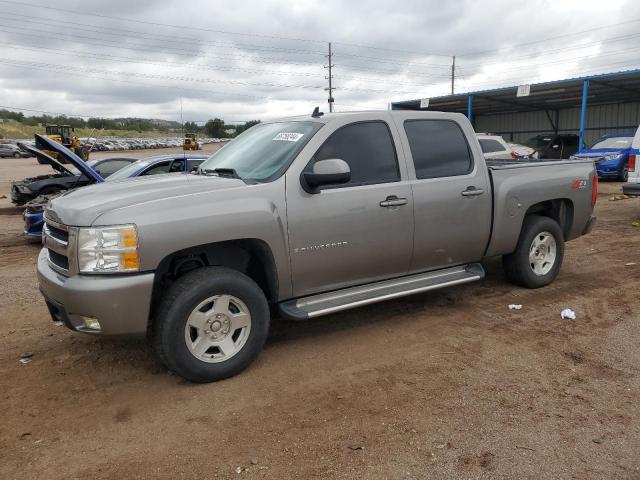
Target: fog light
90	323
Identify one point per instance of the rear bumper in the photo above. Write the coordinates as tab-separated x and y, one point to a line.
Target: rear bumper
631	188
120	303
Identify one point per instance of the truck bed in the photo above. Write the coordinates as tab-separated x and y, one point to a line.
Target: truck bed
520	187
506	164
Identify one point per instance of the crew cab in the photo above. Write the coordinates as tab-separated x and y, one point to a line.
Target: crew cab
310	215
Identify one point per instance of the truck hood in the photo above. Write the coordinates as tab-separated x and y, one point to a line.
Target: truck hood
45	143
81	207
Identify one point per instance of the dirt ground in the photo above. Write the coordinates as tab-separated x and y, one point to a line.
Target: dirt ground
447	384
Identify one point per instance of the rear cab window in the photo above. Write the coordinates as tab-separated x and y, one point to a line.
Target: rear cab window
439	148
367	147
489	145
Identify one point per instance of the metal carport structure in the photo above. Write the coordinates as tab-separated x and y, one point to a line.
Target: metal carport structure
590	106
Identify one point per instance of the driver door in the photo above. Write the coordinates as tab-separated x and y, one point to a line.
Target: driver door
351	234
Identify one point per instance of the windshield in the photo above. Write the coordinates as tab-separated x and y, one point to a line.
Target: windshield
614	143
127	171
263	151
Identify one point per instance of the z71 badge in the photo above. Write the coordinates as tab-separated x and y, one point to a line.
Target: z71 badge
579	184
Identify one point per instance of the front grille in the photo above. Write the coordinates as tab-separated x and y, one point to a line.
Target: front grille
58	233
56	239
59	260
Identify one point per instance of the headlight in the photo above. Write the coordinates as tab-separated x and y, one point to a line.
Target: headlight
108	249
612	157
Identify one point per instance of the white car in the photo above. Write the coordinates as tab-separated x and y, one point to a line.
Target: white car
523	151
632	187
495	148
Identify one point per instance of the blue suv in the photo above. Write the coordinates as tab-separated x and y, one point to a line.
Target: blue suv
611	155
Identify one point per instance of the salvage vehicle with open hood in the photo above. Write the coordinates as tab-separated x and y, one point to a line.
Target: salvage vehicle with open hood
102	170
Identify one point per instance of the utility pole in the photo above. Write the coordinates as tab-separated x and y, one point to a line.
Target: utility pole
330	78
453	74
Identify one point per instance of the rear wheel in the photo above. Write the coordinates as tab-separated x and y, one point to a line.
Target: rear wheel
538	256
211	324
16	155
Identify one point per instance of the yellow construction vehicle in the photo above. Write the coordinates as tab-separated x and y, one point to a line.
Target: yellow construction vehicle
64	135
190	142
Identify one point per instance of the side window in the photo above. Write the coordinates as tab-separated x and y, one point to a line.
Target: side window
177	166
162	167
368	149
193	165
108	167
489	146
439	148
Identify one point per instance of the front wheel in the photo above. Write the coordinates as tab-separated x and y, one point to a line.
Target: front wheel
211	324
16	155
538	256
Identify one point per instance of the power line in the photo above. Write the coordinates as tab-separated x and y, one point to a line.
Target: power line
118	44
590	30
158	24
172	39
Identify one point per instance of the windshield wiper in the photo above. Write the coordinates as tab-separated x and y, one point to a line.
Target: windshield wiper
222	172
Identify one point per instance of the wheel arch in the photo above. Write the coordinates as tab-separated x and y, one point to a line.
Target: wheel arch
250	256
559	209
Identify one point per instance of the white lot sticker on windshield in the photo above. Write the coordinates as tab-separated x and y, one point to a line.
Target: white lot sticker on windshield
289	137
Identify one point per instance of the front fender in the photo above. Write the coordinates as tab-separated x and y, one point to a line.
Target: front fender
169	225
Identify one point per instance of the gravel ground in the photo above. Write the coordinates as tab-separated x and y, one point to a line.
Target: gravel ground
447	384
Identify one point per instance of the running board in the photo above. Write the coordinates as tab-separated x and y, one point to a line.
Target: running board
325	303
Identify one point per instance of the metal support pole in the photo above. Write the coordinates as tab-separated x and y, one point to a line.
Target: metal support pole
470	108
583	112
453	74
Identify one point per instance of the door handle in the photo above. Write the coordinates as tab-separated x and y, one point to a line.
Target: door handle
472	191
393	201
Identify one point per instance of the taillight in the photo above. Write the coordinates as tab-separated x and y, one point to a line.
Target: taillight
514	154
594	190
632	163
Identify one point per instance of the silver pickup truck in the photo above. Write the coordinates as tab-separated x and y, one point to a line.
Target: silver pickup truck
310	215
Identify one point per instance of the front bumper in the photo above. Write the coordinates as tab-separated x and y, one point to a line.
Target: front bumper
631	188
33	223
120	303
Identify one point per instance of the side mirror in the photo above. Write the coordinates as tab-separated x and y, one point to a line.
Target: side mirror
332	171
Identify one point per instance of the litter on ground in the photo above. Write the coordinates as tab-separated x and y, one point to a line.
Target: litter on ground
568	313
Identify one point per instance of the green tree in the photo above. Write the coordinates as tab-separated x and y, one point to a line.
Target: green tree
215	128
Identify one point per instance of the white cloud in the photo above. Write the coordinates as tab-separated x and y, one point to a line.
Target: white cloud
55	60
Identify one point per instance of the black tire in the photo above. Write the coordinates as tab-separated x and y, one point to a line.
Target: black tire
623	176
517	266
16	155
178	303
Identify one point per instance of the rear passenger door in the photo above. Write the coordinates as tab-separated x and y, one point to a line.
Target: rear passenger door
451	192
357	232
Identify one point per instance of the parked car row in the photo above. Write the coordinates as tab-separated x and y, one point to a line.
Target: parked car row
8	150
108	145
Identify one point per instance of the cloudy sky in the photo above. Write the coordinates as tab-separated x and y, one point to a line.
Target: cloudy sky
263	59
